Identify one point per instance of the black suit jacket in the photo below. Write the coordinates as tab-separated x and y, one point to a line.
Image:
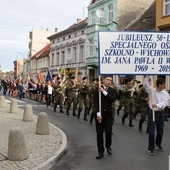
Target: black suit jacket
106	102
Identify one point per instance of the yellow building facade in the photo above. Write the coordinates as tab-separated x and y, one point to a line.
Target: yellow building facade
163	15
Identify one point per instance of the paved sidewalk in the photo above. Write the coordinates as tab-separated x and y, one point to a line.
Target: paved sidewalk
43	150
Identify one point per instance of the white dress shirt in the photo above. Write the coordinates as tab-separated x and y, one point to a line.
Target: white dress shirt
160	98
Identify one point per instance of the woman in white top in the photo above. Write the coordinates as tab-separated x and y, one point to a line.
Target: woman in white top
49	94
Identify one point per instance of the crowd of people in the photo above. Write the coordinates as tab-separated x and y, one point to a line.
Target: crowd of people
132	95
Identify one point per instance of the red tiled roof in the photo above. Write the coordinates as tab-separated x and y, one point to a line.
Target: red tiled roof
75	24
42	53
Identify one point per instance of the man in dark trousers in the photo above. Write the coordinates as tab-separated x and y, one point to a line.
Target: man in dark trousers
104	120
158	101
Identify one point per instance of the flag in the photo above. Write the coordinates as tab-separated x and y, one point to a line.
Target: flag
28	77
20	78
39	76
48	77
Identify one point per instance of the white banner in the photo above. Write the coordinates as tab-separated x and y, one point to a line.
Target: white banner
138	53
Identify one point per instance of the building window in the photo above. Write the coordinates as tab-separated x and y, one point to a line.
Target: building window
43	64
101	20
69	54
47	63
81	53
166	7
63	57
69	36
63	38
93	17
58	57
75	54
52	59
91	46
110	13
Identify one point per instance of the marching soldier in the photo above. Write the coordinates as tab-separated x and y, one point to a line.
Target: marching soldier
129	102
92	88
120	99
71	87
113	104
137	99
144	104
58	95
83	98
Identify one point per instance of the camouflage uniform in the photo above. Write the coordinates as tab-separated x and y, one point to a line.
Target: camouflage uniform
113	104
129	105
83	98
137	103
58	96
72	97
143	106
92	88
121	101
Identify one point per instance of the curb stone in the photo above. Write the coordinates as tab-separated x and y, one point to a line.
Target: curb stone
47	165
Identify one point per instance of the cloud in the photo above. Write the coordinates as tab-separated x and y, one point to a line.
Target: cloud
19	17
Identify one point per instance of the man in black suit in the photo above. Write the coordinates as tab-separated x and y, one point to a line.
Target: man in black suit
104	120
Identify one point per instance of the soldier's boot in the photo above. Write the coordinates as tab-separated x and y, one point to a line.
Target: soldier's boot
91	119
78	116
85	117
118	110
135	114
140	126
74	113
67	112
55	106
130	123
61	110
123	120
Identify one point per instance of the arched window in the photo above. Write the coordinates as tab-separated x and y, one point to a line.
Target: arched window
93	17
110	9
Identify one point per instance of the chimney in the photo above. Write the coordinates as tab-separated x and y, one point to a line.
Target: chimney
78	20
56	29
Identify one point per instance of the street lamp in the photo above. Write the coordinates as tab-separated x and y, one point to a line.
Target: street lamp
23	56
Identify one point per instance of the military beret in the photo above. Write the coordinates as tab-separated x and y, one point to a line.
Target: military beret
140	85
73	77
84	78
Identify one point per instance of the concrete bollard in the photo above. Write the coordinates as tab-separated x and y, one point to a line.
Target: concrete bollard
42	127
13	106
17	150
28	114
2	101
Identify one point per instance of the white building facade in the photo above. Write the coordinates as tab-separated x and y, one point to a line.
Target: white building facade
68	50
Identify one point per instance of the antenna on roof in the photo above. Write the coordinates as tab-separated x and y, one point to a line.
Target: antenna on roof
83	12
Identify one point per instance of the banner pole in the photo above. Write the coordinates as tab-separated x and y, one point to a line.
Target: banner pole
152	98
99	94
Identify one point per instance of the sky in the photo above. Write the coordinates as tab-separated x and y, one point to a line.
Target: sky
19	17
